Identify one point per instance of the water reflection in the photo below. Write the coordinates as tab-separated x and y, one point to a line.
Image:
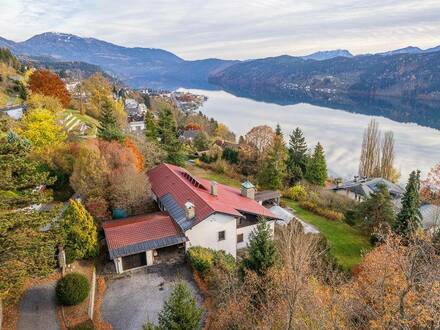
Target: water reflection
338	129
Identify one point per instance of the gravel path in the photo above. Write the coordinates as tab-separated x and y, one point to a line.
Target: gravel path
38	309
132	301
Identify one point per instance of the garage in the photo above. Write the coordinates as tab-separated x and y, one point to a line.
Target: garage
134	261
135	242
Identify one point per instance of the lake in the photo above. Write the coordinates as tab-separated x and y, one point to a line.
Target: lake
340	132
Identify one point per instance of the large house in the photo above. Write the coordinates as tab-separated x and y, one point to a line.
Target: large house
195	212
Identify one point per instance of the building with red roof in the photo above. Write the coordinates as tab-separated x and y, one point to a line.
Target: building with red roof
195	212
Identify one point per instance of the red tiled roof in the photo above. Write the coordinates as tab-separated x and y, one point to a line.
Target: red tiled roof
139	229
176	181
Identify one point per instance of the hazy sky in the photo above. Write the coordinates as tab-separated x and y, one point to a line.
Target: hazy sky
233	29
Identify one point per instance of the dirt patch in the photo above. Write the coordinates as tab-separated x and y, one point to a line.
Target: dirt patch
99	323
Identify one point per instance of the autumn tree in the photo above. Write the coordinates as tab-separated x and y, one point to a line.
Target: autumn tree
316	171
41	129
369	165
40	101
297	161
260	138
262	253
201	141
80	236
98	90
430	188
48	83
224	133
409	217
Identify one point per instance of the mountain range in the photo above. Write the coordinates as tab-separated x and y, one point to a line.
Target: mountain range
408	72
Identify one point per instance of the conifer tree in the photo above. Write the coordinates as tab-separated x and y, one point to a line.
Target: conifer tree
79	232
409	217
377	212
297	161
169	137
150	127
273	170
108	128
180	311
316	171
262	253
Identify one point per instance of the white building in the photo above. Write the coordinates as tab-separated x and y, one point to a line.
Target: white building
195	212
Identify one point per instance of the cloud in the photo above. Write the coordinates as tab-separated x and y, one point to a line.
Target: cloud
232	29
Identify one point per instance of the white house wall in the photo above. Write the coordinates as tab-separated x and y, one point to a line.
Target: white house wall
246	231
205	233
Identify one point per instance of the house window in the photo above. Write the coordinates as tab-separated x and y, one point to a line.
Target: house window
221	235
239	238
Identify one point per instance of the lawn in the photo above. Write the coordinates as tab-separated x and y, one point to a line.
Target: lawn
346	243
210	175
91	122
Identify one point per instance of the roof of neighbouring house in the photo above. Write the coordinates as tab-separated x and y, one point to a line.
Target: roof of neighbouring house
176	186
265	195
365	187
141	233
189	134
430	216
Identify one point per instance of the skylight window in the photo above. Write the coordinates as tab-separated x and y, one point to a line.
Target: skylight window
192	180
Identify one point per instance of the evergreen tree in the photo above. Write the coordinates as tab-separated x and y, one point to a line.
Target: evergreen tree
409	217
377	212
262	253
180	311
316	171
273	169
297	161
79	232
150	127
169	137
108	128
278	131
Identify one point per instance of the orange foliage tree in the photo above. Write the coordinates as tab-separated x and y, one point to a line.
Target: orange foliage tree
193	127
48	83
430	191
139	159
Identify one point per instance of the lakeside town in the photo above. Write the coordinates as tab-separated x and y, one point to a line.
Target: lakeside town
119	206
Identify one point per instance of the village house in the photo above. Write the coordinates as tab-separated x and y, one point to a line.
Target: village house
194	212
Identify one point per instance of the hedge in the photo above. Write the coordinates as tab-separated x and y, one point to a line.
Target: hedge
203	259
72	289
326	213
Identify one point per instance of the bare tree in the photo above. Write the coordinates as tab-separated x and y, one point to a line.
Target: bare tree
370	153
387	159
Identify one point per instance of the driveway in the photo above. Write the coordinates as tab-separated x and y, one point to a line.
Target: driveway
137	298
38	308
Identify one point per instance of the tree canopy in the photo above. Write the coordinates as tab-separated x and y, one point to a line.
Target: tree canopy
48	83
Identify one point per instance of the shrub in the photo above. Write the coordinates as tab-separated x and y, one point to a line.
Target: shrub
296	193
72	289
86	325
203	260
326	213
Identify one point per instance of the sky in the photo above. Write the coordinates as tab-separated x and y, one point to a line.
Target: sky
232	29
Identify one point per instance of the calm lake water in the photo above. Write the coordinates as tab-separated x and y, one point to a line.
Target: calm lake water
340	132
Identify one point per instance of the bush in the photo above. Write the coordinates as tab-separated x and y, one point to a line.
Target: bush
296	193
326	213
203	259
87	325
72	289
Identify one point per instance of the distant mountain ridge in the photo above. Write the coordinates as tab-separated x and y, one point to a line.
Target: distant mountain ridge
324	72
140	67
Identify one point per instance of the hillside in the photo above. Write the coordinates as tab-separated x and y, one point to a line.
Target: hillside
401	75
139	67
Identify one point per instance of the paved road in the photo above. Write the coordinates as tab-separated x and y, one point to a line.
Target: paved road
132	301
38	309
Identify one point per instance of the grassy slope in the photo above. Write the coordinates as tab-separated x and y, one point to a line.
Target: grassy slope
346	243
92	122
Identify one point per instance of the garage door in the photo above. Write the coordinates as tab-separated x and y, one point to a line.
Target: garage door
134	261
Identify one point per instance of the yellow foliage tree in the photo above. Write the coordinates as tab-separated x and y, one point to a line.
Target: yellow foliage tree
40	127
97	90
40	101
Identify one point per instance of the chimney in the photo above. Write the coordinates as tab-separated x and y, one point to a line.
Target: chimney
213	188
190	210
248	190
